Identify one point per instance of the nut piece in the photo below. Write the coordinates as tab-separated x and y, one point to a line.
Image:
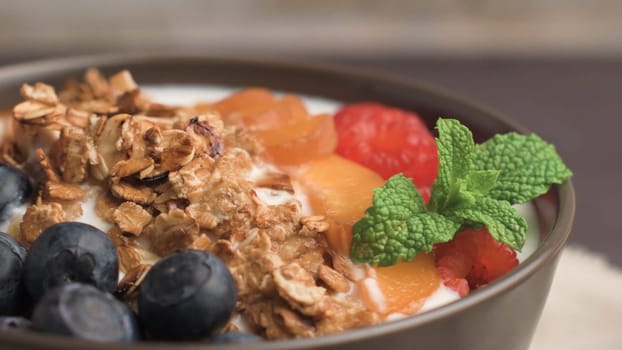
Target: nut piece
96	81
333	279
343	265
29	110
207	135
129	257
262	315
294	323
72	154
142	195
37	218
202	243
132	102
106	136
312	225
297	285
276	181
171	231
131	218
53	190
40	93
123	82
105	204
46	166
128	286
192	177
178	149
125	168
201	213
128	289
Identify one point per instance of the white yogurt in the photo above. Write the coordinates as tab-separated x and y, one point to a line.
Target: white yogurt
88	213
190	94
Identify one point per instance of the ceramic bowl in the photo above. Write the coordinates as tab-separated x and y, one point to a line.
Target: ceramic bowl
502	315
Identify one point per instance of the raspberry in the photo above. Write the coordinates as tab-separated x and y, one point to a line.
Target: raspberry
473	257
453	267
389	141
460	285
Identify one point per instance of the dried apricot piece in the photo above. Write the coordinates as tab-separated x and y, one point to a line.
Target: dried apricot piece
247	99
300	141
288	110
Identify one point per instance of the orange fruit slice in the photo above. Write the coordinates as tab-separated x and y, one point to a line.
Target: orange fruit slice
288	110
341	190
243	99
258	109
401	288
283	126
300	141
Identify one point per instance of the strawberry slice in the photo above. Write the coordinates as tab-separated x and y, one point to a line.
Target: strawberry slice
389	141
473	259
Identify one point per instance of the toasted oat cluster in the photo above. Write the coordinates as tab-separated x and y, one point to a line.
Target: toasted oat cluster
167	178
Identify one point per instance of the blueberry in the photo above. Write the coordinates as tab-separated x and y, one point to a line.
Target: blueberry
14	191
14	323
84	312
12	292
235	337
187	295
71	252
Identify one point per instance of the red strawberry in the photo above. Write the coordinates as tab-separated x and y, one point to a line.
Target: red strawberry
389	141
473	256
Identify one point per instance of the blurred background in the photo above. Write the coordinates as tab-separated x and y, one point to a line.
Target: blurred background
364	28
553	65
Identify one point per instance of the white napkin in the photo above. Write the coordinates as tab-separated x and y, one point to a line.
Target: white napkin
584	308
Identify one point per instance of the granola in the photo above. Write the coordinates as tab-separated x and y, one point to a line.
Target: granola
167	177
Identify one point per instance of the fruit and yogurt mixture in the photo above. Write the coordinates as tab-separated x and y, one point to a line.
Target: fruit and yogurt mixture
246	218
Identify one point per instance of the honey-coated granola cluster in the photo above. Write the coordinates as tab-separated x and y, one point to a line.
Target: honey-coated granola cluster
167	178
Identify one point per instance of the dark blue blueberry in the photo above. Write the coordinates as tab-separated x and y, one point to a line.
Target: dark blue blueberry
188	295
15	190
14	323
235	337
84	312
71	252
12	293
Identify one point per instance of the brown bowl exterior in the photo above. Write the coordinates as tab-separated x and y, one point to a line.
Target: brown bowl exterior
503	315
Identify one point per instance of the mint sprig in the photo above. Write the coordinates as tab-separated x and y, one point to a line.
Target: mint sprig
476	185
398	225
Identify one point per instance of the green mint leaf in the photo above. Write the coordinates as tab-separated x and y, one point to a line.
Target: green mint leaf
480	182
527	166
475	186
384	224
399	193
455	145
469	189
384	239
503	221
426	230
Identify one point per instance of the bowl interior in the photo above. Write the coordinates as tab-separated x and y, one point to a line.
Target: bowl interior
555	210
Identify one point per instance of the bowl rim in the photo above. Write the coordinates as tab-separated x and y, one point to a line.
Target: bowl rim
548	248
